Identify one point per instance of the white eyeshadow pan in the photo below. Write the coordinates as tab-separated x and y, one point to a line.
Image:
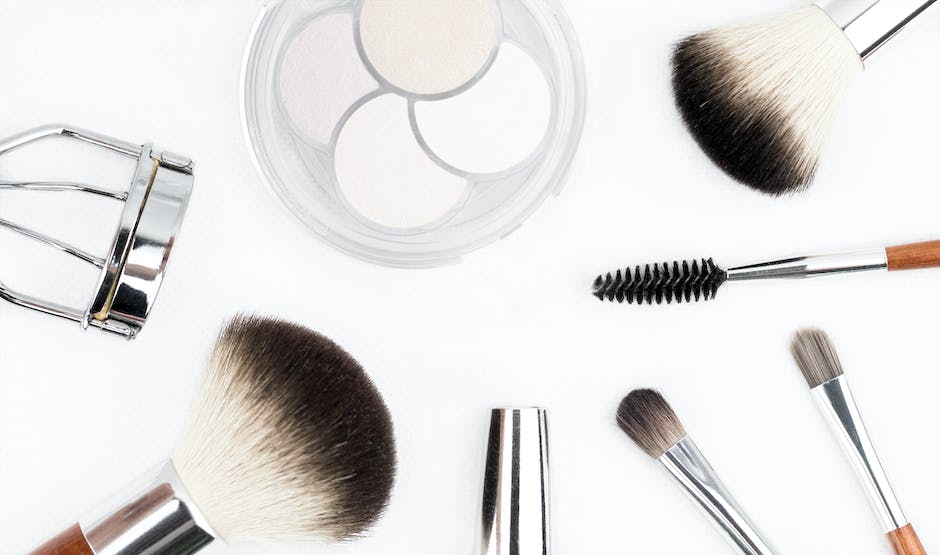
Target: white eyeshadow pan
428	47
384	174
495	124
322	75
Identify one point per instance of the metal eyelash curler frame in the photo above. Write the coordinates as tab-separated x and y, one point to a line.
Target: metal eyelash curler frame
132	271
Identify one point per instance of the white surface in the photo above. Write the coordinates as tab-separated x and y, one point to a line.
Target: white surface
513	324
385	175
495	124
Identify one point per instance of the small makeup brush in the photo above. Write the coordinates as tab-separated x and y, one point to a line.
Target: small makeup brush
700	280
760	98
646	417
288	439
819	362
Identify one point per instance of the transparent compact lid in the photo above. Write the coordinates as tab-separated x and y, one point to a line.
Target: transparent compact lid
408	132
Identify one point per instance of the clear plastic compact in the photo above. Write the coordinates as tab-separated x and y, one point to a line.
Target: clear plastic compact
410	132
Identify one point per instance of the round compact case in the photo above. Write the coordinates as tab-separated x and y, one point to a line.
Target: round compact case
409	132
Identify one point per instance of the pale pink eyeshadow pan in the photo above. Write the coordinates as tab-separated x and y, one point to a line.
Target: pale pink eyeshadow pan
322	76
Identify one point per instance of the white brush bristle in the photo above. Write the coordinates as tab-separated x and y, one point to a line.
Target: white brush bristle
761	98
288	438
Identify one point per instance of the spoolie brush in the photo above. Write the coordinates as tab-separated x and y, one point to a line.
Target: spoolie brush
648	420
288	439
818	360
684	281
760	98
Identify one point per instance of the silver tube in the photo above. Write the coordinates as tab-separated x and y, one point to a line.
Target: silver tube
838	405
158	518
875	26
810	266
515	508
687	464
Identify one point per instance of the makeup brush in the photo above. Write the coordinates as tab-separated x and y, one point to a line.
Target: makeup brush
646	417
288	439
760	98
700	280
819	362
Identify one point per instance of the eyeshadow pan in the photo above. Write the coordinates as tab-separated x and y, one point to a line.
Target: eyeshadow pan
495	124
429	47
322	76
384	174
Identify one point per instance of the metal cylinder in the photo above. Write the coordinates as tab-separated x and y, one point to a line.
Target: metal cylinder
515	508
156	518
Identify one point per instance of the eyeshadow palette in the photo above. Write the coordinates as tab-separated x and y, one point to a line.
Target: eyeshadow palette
410	132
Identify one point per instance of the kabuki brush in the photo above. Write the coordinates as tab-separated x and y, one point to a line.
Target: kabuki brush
819	362
288	440
646	417
760	98
700	280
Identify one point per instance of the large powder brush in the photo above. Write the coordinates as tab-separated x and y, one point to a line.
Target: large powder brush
760	98
288	439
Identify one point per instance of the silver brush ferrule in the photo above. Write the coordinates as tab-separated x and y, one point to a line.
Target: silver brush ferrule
811	266
157	518
869	25
687	464
838	405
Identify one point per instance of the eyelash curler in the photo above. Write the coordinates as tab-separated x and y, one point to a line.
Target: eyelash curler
133	270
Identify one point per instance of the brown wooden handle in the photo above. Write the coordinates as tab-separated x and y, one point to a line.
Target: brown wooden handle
905	541
915	256
69	542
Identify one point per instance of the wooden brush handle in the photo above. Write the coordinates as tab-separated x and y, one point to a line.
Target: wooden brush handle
905	541
69	542
914	256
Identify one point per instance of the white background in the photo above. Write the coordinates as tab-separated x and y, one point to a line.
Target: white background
83	413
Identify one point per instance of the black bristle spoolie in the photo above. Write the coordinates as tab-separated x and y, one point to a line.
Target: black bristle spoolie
659	283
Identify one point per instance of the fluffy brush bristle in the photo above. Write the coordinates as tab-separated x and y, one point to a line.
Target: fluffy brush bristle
646	417
288	438
661	283
760	99
816	356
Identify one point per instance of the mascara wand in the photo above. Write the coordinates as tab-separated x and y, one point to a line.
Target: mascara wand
700	280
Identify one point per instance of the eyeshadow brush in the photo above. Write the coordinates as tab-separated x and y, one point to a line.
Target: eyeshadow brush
700	280
818	360
288	440
648	420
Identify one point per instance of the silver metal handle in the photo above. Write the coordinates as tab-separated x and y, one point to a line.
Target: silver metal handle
696	476
874	27
810	266
157	519
838	405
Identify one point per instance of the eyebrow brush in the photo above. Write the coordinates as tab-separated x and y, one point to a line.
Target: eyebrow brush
699	280
818	360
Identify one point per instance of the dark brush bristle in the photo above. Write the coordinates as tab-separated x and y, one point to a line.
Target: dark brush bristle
289	439
659	283
752	143
646	417
816	356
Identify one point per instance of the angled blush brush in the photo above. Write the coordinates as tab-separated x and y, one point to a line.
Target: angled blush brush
760	98
649	421
288	439
817	358
700	280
